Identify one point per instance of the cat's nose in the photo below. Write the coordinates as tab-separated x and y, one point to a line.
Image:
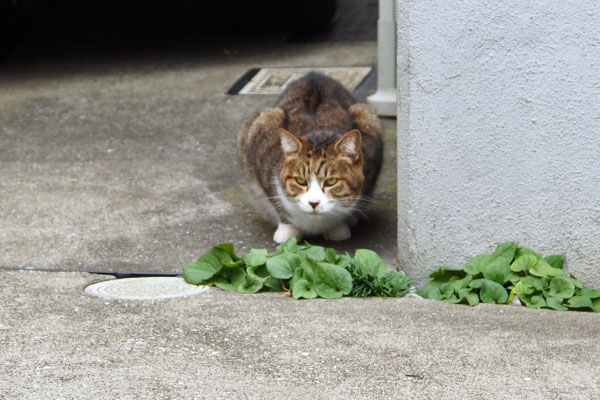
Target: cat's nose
313	204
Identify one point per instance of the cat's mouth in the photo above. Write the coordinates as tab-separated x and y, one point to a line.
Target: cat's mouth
315	213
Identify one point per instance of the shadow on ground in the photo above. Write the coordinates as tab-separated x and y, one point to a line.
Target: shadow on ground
121	156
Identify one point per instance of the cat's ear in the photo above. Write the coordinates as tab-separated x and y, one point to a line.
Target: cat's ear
349	145
290	143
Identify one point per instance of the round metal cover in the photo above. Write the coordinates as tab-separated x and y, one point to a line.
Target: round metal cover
149	288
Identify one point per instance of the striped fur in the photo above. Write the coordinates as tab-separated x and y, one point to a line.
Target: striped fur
316	155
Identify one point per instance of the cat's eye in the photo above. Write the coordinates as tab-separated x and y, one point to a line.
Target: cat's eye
301	181
331	181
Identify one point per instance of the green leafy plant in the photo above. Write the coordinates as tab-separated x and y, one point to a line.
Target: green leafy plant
303	270
511	271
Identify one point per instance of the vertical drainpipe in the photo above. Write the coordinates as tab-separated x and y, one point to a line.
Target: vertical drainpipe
384	100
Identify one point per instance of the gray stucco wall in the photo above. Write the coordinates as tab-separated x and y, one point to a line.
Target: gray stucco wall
498	130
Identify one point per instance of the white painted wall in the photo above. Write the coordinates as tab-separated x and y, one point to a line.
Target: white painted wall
498	130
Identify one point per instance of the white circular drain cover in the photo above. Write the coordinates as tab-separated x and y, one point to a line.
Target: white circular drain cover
155	287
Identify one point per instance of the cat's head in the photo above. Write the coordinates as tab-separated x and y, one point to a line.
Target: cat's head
322	180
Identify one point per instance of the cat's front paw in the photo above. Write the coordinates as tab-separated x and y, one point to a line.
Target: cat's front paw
286	231
340	232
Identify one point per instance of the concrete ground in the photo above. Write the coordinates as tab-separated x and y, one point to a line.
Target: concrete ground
125	161
58	342
130	163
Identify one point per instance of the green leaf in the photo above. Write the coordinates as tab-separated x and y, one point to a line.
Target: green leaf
303	289
513	277
229	278
447	290
535	282
307	271
556	260
251	283
492	292
497	271
524	250
274	284
237	263
200	271
217	257
440	276
317	253
543	269
433	294
283	265
370	263
475	284
459	284
506	251
331	256
331	281
261	271
472	298
428	290
503	254
577	284
561	287
580	302
399	282
255	257
477	263
596	304
251	272
511	294
555	303
469	296
290	245
228	248
298	274
344	260
522	289
533	301
524	263
443	274
588	292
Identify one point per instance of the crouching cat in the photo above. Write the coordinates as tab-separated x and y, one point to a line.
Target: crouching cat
316	155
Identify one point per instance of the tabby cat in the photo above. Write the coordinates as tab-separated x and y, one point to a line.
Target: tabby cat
316	155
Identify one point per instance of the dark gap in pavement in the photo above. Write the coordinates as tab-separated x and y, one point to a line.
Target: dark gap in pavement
116	274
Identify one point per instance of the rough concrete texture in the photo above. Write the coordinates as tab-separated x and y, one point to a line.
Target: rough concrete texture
129	162
498	125
58	342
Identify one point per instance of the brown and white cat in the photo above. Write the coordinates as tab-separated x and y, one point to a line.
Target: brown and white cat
316	155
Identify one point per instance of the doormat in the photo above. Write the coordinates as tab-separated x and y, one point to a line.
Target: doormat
275	80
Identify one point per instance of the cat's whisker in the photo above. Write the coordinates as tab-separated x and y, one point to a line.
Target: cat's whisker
363	214
357	204
361	209
351	216
349	213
